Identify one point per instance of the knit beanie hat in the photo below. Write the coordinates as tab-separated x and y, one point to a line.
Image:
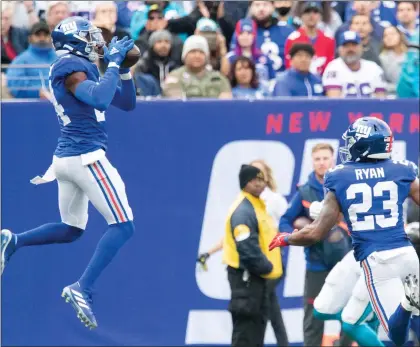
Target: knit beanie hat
159	35
248	173
195	42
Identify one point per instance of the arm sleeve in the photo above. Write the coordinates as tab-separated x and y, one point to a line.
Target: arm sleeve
125	95
18	84
331	78
245	233
99	95
294	210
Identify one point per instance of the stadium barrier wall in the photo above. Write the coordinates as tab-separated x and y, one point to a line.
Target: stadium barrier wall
180	162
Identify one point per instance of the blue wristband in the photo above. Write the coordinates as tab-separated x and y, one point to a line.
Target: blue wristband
124	70
286	239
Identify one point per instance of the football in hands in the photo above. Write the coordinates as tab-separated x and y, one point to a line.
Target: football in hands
131	58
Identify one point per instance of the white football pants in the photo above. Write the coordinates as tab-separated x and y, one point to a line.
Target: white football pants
99	183
345	290
384	274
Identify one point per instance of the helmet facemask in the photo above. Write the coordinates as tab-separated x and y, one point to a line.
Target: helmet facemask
94	43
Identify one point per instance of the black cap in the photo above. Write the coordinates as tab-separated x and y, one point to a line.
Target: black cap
248	173
40	27
297	47
311	6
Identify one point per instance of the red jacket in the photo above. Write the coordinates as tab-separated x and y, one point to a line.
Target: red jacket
324	49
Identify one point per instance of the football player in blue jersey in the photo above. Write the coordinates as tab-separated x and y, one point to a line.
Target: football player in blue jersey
80	165
369	188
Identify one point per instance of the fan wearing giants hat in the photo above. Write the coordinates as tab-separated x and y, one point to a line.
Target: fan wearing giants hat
309	33
246	34
350	75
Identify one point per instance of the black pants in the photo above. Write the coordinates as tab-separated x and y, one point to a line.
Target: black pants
249	308
313	329
275	316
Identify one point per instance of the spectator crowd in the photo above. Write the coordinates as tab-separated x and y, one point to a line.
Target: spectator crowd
232	49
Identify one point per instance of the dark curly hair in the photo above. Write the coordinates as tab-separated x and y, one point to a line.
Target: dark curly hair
247	63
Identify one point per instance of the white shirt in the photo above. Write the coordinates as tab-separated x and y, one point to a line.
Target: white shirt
275	203
362	83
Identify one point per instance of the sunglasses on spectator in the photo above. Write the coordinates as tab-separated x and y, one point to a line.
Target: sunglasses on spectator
155	17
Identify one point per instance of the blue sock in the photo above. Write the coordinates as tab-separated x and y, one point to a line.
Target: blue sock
415	326
374	323
398	325
362	334
108	246
47	234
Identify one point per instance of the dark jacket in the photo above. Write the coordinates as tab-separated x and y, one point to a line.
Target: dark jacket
19	39
143	43
187	24
159	67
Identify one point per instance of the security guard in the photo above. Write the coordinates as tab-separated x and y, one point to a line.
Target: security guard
196	79
249	229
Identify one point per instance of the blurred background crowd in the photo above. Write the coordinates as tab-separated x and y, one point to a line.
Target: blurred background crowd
232	49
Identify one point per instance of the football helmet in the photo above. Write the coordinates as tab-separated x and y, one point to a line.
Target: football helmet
78	36
367	138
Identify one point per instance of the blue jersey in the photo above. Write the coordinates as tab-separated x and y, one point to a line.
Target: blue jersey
271	42
371	197
82	127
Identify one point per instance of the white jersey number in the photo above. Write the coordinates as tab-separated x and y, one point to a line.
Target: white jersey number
368	222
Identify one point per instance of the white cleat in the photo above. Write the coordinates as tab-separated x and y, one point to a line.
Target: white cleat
411	288
6	237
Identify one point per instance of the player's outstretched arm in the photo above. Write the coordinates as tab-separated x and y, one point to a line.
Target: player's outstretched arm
100	95
415	191
319	228
125	95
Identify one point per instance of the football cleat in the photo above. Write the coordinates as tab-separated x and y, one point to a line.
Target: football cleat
81	301
411	288
8	242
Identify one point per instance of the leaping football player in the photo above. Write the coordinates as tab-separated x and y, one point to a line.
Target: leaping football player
80	165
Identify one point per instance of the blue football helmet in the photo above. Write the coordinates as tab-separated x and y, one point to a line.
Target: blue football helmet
78	36
367	138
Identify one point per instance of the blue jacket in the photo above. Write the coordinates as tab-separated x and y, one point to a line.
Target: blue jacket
26	82
294	83
295	210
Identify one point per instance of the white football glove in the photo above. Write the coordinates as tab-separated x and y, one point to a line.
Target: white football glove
315	209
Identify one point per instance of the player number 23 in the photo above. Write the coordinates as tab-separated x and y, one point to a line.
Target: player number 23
368	194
